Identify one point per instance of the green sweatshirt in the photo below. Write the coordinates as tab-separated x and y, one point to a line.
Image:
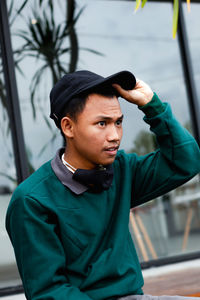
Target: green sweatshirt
78	247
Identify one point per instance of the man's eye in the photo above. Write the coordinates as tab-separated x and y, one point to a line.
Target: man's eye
119	122
102	123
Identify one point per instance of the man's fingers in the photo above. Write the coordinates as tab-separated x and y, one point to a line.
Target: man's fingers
117	87
123	93
140	95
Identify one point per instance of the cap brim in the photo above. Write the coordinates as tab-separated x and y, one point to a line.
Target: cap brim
124	78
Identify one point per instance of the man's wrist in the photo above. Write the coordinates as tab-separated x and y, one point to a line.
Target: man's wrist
153	107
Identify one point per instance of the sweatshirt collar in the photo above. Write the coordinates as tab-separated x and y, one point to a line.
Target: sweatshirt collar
65	176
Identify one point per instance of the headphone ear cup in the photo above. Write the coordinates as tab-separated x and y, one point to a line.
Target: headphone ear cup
97	180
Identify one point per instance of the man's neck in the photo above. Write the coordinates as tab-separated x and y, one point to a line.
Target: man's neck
76	161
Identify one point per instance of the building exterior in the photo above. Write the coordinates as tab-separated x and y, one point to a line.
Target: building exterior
41	42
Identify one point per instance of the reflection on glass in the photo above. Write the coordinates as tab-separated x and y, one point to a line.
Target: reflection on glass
173	223
8	269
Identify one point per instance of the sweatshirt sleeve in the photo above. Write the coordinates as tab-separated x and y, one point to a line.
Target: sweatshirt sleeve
176	161
154	107
43	269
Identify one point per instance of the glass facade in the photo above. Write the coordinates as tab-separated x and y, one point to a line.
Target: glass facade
106	37
8	182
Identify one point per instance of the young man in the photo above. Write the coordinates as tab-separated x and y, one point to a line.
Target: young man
68	222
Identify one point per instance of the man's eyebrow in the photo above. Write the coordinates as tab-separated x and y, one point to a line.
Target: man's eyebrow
109	118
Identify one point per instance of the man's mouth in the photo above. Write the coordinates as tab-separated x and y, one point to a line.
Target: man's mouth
111	150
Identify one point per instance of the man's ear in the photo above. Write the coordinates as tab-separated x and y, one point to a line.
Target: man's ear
67	127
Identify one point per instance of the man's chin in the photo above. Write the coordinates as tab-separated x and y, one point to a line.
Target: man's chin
107	161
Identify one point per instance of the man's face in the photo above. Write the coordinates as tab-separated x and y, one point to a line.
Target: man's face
97	132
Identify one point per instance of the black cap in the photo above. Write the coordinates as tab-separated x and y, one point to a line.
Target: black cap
74	84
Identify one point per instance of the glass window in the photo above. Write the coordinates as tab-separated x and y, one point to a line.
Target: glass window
8	270
143	43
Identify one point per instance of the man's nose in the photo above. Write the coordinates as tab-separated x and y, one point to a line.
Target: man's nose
113	134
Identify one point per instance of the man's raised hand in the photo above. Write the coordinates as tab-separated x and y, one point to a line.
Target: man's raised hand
140	95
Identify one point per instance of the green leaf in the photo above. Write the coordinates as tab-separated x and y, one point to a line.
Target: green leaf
78	15
137	4
143	3
10	8
19	11
92	51
175	18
